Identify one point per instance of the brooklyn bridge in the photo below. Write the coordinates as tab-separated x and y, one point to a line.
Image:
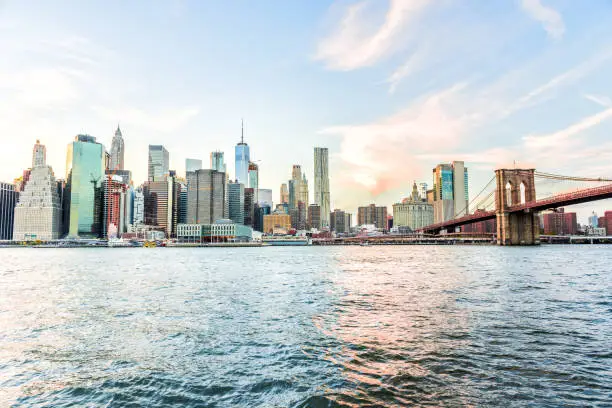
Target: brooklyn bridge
511	199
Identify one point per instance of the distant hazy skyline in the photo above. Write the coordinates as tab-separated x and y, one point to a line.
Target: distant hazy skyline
390	87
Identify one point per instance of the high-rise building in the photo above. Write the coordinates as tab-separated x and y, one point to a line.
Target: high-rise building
115	207
314	216
450	191
39	155
264	197
117	151
217	161
125	175
372	215
594	220
260	213
276	223
560	223
608	222
423	191
161	204
295	185
159	163
236	201
253	175
8	201
284	194
242	161
413	212
192	165
321	183
303	197
138	207
182	202
340	221
249	206
206	196
85	168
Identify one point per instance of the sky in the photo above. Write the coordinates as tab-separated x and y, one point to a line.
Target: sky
392	88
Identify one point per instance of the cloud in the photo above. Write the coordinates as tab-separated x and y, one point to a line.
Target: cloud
355	45
549	17
604	101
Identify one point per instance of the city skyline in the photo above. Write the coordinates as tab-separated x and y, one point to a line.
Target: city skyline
350	76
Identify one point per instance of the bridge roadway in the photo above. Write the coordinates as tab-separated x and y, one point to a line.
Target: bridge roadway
560	200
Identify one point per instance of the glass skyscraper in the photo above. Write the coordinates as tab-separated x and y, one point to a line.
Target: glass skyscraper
192	165
217	161
450	191
159	163
236	202
84	174
321	183
243	157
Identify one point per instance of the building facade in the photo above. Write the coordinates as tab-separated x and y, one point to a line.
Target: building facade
243	157
85	169
8	200
220	231
116	208
276	223
249	206
217	161
264	197
206	196
253	176
314	216
192	165
321	183
159	163
560	223
413	212
235	192
117	151
450	191
372	215
284	194
340	222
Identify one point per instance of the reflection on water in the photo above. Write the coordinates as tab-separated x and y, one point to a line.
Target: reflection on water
346	326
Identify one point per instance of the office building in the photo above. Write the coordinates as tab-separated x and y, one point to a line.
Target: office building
8	200
193	165
220	231
260	213
38	214
217	161
117	151
450	191
294	191
264	197
423	191
125	175
340	222
115	210
206	196
138	207
314	216
276	223
159	163
593	220
161	204
303	197
560	223
253	176
284	194
607	222
413	212
249	206
182	202
372	215
85	168
321	183
243	157
235	192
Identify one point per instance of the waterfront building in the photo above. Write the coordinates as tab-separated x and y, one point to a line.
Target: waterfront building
284	194
314	216
222	230
260	213
340	222
413	212
115	211
206	196
192	165
560	223
373	215
85	168
264	197
217	161
38	214
281	223
249	206
243	157
8	200
450	191
159	163
235	191
117	151
321	183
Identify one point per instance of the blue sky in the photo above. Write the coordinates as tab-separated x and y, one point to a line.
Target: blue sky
391	87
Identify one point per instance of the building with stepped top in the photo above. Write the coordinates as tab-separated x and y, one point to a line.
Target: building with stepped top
38	213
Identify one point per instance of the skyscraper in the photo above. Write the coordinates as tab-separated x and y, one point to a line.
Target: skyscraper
314	216
161	200
249	206
242	161
159	163
85	165
450	191
304	191
372	215
192	165
284	194
115	208
217	161
8	200
117	151
340	221
321	183
236	201
205	196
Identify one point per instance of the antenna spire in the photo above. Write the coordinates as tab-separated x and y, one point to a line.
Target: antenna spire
242	133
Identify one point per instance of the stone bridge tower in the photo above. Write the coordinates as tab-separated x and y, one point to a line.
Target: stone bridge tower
515	187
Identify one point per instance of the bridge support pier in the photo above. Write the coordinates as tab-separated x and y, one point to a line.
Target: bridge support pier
515	186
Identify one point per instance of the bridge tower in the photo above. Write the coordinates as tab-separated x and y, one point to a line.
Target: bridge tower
515	187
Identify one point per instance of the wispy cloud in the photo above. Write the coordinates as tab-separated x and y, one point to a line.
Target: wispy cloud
550	18
354	44
602	100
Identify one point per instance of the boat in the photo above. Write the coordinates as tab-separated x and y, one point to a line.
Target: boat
286	241
150	244
118	243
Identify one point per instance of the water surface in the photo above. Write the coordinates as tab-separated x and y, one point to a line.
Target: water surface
306	327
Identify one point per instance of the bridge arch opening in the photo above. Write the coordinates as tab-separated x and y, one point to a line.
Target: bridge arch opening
509	194
523	190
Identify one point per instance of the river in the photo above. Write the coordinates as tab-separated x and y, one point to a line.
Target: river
380	326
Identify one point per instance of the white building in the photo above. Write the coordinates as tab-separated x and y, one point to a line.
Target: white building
413	212
38	214
138	207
